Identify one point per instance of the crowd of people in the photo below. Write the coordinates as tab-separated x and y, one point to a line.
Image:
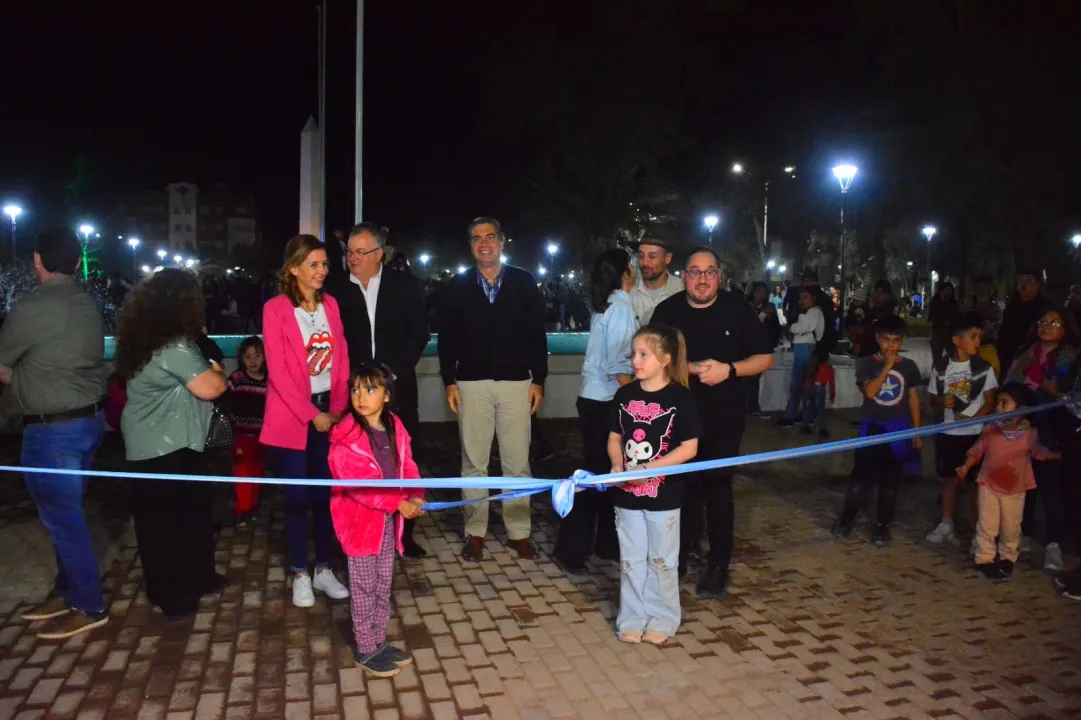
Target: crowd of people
671	373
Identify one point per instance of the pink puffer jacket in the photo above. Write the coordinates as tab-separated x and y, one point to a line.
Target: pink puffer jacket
359	514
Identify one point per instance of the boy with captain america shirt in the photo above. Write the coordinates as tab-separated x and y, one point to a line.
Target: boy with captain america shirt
891	402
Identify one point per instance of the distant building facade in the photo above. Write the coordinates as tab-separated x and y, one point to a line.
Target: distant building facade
182	218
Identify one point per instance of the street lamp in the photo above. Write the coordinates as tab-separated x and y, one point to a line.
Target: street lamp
737	168
13	211
503	258
1076	240
461	269
552	248
771	264
542	271
134	243
424	258
161	255
86	229
929	232
710	222
178	259
844	175
190	262
145	269
790	170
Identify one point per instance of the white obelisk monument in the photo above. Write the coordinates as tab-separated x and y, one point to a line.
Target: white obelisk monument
310	173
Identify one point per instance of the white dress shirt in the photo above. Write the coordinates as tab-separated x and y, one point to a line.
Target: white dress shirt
371	295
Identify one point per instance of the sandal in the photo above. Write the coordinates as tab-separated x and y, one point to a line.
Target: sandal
655	638
630	637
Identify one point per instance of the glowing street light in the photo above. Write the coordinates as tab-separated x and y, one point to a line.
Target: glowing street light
178	259
424	258
502	258
87	230
737	168
790	169
189	263
134	243
782	270
710	221
928	232
161	255
145	269
461	269
570	275
542	271
771	264
844	174
553	249
1076	241
13	211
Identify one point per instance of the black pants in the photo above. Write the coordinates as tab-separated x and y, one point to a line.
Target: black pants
754	383
406	407
1049	490
174	530
713	491
873	466
592	508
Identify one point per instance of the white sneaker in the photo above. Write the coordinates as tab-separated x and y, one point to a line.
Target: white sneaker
1052	558
1026	545
326	582
943	532
302	591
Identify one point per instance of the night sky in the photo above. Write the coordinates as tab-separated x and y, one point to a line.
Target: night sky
219	91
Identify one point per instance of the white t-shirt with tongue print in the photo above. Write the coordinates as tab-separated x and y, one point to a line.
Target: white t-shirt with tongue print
319	345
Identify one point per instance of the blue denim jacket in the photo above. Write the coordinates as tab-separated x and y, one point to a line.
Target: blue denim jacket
608	352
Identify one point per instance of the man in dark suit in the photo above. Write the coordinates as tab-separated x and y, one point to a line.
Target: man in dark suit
386	322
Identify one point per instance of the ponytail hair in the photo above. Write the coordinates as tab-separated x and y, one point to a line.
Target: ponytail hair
666	340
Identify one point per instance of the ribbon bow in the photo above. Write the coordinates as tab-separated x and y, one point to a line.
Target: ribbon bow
563	491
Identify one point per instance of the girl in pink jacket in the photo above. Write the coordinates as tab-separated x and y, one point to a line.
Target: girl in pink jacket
370	443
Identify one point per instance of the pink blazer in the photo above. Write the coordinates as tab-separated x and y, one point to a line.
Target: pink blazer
289	406
359	514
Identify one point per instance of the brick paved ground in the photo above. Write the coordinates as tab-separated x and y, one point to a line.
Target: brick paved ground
810	628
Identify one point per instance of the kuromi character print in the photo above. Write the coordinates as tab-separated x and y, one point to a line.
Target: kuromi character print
647	428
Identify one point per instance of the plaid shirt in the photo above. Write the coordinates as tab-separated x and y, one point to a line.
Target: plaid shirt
490	289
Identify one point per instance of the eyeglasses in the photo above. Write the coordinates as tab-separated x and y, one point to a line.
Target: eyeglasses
711	274
1049	324
362	253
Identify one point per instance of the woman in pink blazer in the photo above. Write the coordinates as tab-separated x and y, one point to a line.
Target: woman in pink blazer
307	392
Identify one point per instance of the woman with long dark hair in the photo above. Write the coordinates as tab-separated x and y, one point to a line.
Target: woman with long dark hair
943	311
307	391
606	368
170	389
1045	367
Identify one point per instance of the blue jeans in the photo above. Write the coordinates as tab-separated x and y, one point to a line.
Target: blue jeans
801	360
649	581
814	406
300	499
68	445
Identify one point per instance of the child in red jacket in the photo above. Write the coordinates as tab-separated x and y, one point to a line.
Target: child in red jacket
370	443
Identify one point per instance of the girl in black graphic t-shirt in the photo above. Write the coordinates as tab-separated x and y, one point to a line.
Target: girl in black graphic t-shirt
654	424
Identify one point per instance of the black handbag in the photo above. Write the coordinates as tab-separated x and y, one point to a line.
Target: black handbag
222	429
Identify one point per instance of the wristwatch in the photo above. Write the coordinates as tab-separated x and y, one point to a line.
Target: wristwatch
732	370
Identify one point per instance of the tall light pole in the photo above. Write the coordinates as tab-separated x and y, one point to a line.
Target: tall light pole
86	229
13	211
710	223
1076	242
134	243
929	232
790	170
844	175
358	169
552	248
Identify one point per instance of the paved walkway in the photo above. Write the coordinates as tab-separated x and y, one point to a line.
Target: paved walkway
811	628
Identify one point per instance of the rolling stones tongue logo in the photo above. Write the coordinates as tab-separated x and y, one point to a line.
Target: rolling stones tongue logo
320	351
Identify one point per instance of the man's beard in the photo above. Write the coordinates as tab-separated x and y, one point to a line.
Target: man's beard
650	276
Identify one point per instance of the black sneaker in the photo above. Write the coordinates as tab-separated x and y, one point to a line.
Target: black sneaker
991	571
412	550
880	535
400	658
1006	568
713	582
841	532
784	423
376	663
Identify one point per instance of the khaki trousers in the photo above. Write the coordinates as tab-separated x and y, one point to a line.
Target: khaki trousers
497	408
1000	515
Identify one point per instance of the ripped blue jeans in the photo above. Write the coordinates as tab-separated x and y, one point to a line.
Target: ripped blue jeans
649	575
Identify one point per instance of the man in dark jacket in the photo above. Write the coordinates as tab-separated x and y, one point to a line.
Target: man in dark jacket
767	315
493	355
1020	315
386	322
